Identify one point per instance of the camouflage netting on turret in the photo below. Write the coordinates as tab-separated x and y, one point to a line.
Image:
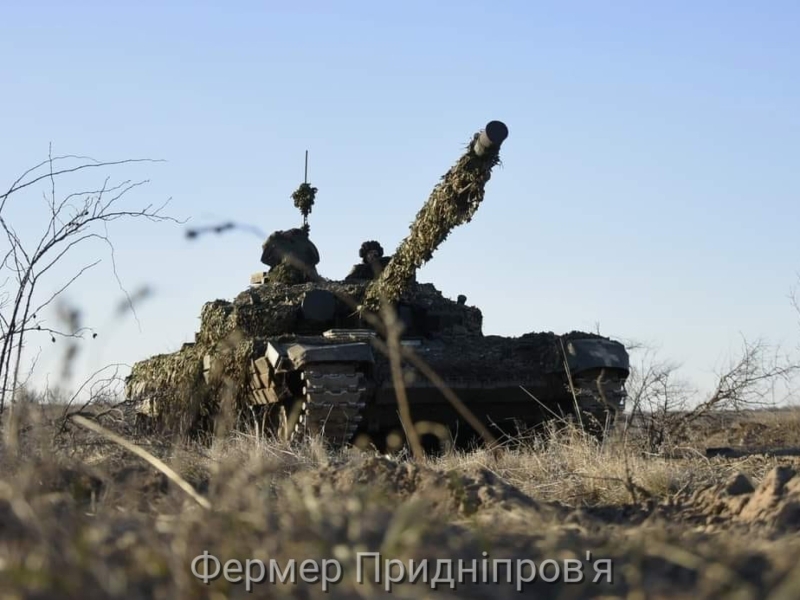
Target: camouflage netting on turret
266	310
426	295
235	332
272	309
247	314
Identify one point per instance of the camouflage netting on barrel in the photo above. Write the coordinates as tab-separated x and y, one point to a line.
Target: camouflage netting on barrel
453	202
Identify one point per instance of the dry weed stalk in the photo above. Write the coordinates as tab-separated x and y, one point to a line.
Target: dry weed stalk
144	454
393	329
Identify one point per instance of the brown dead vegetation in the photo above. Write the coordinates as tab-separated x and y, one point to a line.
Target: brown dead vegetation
97	509
83	517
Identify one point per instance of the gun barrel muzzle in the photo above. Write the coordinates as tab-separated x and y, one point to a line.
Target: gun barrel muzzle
492	136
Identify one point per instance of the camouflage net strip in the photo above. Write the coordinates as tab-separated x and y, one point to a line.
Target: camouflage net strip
303	198
175	387
453	202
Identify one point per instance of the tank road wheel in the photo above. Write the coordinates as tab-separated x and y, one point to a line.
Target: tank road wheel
283	432
288	421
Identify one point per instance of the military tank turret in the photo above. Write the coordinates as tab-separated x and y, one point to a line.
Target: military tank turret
304	353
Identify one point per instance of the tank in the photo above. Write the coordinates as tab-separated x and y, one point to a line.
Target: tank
299	354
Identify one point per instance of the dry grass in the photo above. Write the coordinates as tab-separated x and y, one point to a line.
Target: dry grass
82	517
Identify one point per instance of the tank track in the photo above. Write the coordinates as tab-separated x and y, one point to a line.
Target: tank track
330	404
334	397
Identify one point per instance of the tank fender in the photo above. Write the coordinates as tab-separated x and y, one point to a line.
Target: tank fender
357	352
596	353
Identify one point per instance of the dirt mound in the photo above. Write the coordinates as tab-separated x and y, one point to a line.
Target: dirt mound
774	504
447	493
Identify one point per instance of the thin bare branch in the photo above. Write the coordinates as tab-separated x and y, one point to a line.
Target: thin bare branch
71	221
19	186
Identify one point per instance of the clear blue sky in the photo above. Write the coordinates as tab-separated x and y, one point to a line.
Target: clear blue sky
650	180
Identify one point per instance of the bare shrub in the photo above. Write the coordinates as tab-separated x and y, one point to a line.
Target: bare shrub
29	262
664	407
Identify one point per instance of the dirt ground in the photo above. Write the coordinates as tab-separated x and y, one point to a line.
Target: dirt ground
557	516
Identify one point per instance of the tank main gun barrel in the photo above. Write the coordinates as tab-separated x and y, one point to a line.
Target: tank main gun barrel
452	202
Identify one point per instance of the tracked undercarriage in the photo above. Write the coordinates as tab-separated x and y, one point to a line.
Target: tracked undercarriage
312	389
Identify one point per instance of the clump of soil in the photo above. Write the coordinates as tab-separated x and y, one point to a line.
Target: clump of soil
774	504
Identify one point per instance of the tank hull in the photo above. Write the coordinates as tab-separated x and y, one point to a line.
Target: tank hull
343	389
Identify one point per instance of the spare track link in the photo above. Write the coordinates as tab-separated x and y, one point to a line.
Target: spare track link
334	397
